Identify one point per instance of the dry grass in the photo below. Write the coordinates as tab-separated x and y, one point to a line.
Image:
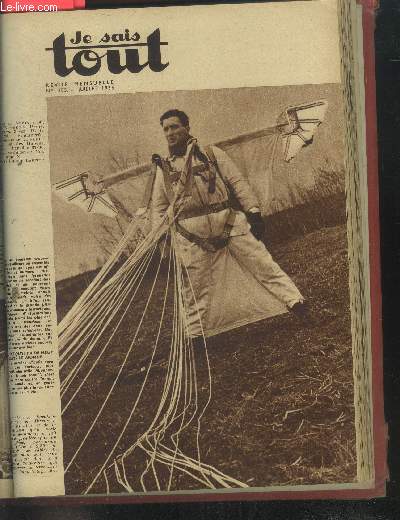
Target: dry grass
283	394
323	205
282	407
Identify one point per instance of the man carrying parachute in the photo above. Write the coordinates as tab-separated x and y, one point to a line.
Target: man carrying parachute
219	276
213	237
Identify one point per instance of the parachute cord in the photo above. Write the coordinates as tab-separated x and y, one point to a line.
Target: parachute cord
107	343
146	376
117	377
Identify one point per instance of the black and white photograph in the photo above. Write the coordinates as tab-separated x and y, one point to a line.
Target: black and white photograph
202	285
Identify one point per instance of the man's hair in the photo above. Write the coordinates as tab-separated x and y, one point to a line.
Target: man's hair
174	112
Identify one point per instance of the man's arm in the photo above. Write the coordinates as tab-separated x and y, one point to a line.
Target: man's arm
242	190
239	184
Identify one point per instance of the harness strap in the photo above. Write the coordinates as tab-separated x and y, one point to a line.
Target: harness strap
214	170
233	202
212	244
170	176
198	169
205	210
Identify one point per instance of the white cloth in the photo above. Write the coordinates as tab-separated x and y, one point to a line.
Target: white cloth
234	286
237	284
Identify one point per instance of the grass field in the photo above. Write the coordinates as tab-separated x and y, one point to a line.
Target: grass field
281	411
283	406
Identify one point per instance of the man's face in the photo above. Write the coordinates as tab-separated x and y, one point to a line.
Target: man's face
175	133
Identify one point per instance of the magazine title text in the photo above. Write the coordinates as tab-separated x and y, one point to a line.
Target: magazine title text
124	51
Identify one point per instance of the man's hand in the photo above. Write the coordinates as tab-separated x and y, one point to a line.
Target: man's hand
257	226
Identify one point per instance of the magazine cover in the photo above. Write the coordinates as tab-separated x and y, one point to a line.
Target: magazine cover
187	253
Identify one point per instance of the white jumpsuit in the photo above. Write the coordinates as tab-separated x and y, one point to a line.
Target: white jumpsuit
237	284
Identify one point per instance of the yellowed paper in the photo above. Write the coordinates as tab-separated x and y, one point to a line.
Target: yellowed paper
262	83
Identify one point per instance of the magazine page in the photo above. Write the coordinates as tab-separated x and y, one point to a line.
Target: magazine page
180	283
6	482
